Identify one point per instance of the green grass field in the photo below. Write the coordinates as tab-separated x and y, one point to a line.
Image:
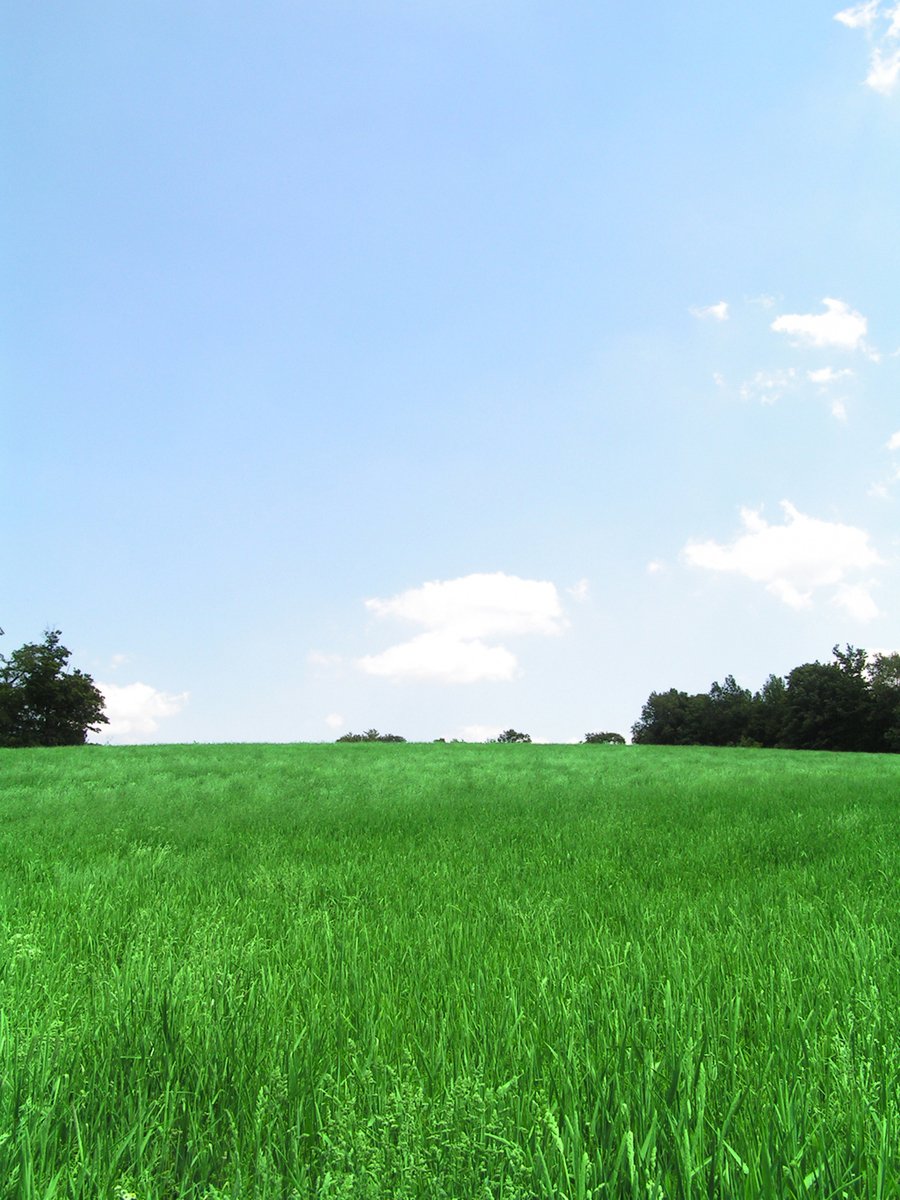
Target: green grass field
448	972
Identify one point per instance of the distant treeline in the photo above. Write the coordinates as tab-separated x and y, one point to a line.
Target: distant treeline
852	703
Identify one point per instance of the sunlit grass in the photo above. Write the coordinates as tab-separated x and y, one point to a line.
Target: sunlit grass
448	971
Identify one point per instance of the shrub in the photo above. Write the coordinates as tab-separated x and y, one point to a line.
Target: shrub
371	735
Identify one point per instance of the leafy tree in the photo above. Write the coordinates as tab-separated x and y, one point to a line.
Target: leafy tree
42	704
851	660
672	718
371	735
883	676
852	703
512	735
727	714
768	713
604	739
827	708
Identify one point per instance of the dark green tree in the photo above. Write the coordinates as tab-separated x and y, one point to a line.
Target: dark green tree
827	708
883	675
769	713
604	739
728	714
672	718
43	704
371	735
512	735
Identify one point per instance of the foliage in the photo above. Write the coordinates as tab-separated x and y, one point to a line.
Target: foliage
511	735
850	704
266	972
371	735
43	704
604	739
671	718
883	677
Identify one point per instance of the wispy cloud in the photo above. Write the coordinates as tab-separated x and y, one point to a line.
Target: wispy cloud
796	559
480	733
458	616
880	23
839	327
861	16
827	375
894	441
856	599
769	386
579	591
711	312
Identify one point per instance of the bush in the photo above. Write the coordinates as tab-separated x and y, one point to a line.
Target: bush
604	739
371	735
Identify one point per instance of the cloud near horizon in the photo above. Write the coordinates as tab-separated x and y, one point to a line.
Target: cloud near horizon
137	708
796	559
458	615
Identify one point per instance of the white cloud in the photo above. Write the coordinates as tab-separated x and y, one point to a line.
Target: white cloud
335	721
457	615
443	657
769	386
839	326
839	410
894	442
884	71
137	708
861	16
795	559
714	312
826	375
884	59
857	601
478	606
480	733
655	567
579	591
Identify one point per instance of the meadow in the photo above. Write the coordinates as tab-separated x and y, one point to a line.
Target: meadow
453	971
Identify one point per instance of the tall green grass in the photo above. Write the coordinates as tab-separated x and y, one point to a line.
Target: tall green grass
482	972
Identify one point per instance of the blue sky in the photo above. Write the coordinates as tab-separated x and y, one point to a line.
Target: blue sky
446	366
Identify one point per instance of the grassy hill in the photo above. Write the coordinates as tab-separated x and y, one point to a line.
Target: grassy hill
448	971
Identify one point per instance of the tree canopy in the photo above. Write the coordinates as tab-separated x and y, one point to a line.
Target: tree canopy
43	704
371	735
852	703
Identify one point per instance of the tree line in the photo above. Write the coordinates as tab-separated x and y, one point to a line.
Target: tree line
852	703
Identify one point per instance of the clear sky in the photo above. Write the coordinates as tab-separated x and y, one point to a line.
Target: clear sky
446	365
